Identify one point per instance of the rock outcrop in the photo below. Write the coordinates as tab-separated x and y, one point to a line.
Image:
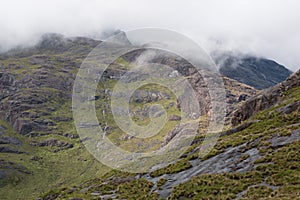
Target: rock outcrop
265	99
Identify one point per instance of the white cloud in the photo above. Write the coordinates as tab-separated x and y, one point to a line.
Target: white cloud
266	27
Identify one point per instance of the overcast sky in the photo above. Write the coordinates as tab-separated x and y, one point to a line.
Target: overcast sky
270	28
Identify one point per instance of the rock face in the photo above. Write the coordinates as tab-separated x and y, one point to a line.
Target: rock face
259	73
35	82
26	98
8	140
266	98
236	94
7	86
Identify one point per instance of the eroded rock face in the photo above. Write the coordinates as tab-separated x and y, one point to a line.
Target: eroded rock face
7	85
54	142
33	77
290	108
265	99
236	94
8	140
24	107
35	82
8	167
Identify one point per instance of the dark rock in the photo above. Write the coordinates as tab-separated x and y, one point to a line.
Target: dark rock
2	174
243	97
171	104
7	85
54	142
2	128
69	146
70	135
11	167
127	137
174	118
142	96
6	149
10	140
36	158
292	107
23	126
7	79
49	142
45	122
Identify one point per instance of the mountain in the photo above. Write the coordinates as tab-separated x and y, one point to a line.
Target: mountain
39	147
41	154
257	159
257	72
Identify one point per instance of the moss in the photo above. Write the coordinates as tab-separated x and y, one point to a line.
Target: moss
218	186
258	192
244	157
137	189
161	182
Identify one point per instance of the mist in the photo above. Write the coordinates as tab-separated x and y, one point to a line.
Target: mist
268	28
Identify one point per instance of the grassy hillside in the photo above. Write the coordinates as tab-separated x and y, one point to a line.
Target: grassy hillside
41	154
265	165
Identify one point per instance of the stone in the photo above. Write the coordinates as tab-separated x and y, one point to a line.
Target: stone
174	118
267	98
6	149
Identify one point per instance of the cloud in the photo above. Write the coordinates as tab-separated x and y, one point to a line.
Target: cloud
268	28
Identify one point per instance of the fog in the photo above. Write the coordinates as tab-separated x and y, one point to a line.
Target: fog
268	28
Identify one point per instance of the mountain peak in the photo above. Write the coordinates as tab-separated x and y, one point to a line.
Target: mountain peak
255	71
58	42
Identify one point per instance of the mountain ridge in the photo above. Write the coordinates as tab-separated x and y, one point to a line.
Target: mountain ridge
40	149
257	72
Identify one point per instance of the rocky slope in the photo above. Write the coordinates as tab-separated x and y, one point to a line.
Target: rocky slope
257	72
259	159
37	133
39	146
267	98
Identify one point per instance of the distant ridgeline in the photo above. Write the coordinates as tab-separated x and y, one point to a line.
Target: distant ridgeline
259	73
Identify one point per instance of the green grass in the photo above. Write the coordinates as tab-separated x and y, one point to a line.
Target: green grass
218	186
178	166
161	182
275	176
137	189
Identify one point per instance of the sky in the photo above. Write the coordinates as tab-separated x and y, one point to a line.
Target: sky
268	28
